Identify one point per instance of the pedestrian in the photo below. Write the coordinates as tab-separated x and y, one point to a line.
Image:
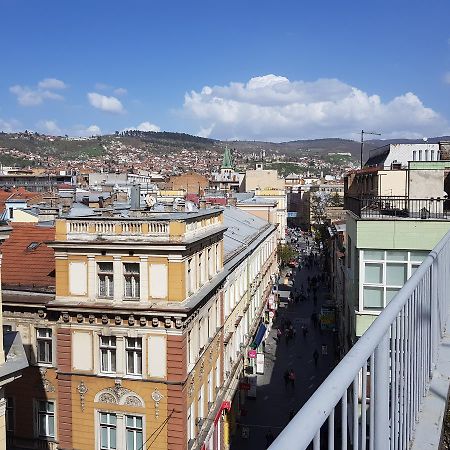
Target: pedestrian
324	349
294	333
314	319
316	357
279	333
286	336
304	331
292	378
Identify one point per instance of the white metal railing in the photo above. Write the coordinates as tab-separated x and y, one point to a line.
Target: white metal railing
381	382
109	227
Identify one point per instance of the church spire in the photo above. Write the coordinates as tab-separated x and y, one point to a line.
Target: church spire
227	162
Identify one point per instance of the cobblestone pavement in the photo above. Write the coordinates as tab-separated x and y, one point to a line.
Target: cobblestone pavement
274	402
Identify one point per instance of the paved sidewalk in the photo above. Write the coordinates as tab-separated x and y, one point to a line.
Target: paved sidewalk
273	404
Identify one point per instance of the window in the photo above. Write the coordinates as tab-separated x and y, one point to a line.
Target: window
385	272
9	414
108	431
44	345
7	328
105	279
191	348
210	388
200	268
210	264
190	423
132	282
134	432
46	419
190	277
218	264
108	354
134	356
200	399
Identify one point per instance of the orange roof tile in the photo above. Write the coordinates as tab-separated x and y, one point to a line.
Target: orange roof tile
28	263
19	194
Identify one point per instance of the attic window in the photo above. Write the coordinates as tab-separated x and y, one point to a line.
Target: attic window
33	246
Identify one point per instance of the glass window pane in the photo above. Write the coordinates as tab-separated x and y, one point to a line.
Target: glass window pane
396	274
373	297
51	426
139	440
373	255
373	273
50	407
397	255
130	440
112	437
390	294
418	255
103	437
112	419
414	267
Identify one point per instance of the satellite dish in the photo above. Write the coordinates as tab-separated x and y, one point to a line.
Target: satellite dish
150	201
425	139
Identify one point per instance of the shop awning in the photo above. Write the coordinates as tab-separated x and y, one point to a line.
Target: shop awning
259	335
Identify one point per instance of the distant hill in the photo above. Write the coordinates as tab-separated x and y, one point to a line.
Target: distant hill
33	148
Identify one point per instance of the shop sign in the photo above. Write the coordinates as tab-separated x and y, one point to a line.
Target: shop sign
252	353
271	314
260	363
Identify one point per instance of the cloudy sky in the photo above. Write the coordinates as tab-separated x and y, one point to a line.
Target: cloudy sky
247	69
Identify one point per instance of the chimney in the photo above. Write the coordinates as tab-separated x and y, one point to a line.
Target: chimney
100	202
135	197
202	203
231	201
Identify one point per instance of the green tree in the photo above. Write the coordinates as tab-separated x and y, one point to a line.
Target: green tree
285	254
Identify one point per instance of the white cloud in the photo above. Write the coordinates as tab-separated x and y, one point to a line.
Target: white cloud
49	127
120	91
144	126
105	103
10	126
52	83
92	130
27	96
272	107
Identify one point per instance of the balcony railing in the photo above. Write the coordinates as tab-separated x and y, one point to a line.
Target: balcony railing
390	207
372	399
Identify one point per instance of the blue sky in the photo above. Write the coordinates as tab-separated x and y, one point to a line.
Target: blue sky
236	69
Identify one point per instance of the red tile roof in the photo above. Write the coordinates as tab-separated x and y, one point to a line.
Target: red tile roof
26	265
18	194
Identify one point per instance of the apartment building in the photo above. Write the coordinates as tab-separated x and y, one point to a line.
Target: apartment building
388	236
136	328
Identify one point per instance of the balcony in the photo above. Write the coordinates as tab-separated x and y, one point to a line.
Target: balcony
395	208
151	227
390	391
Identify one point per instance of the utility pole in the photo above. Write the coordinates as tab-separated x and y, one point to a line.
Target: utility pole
362	142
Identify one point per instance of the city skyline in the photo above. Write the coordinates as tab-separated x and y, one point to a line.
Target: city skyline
233	72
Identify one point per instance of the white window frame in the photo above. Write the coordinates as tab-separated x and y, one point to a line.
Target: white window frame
49	416
410	263
108	426
46	340
108	276
133	347
110	350
135	430
133	277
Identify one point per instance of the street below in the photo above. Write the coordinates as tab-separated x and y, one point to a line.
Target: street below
278	399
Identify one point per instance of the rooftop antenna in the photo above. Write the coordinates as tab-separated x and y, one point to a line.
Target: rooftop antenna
362	142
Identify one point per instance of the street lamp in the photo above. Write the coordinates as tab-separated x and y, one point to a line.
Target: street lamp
362	142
